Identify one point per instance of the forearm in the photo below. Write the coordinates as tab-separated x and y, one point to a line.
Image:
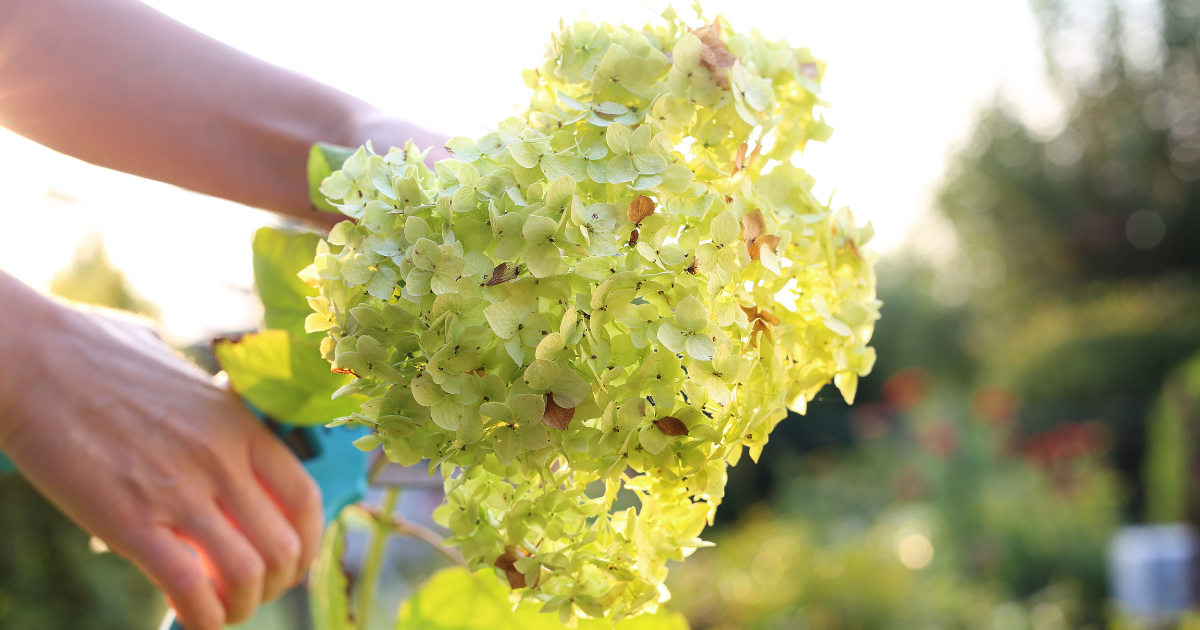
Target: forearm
118	84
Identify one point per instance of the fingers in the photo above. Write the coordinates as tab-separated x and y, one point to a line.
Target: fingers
271	534
230	559
294	491
163	557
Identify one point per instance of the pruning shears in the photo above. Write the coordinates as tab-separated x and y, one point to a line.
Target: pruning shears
328	454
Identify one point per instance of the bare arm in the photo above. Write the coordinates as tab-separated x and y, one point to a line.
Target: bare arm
118	84
135	445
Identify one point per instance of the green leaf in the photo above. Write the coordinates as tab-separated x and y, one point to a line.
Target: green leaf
279	255
284	377
323	160
329	588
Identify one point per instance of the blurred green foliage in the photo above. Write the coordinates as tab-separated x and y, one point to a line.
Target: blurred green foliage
91	278
1017	536
50	579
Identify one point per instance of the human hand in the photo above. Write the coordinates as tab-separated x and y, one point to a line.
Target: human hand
140	448
386	131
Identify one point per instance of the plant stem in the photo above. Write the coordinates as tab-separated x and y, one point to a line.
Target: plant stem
373	557
418	531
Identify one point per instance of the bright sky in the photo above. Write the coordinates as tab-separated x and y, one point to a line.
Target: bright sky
904	80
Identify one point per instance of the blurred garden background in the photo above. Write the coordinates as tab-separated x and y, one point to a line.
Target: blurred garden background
1031	170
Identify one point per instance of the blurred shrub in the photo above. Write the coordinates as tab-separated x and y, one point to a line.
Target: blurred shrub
91	278
50	579
942	518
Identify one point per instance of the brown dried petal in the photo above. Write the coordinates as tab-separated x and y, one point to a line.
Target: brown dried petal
507	563
633	237
344	371
714	54
639	209
753	226
769	241
503	272
739	160
671	426
556	417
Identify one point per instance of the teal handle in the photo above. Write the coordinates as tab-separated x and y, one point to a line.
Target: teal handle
6	465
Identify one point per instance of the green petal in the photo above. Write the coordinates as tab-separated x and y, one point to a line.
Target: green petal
670	335
382	284
621	170
652	439
570	390
426	255
724	228
370	349
503	317
556	166
639	140
463	149
497	410
524	153
470	429
690	314
541	375
618	138
415	229
417	282
539	228
494	388
676	178
528	408
357	270
542	260
426	392
700	347
448	414
507	444
550	346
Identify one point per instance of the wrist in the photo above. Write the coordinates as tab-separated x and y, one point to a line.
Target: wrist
27	323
